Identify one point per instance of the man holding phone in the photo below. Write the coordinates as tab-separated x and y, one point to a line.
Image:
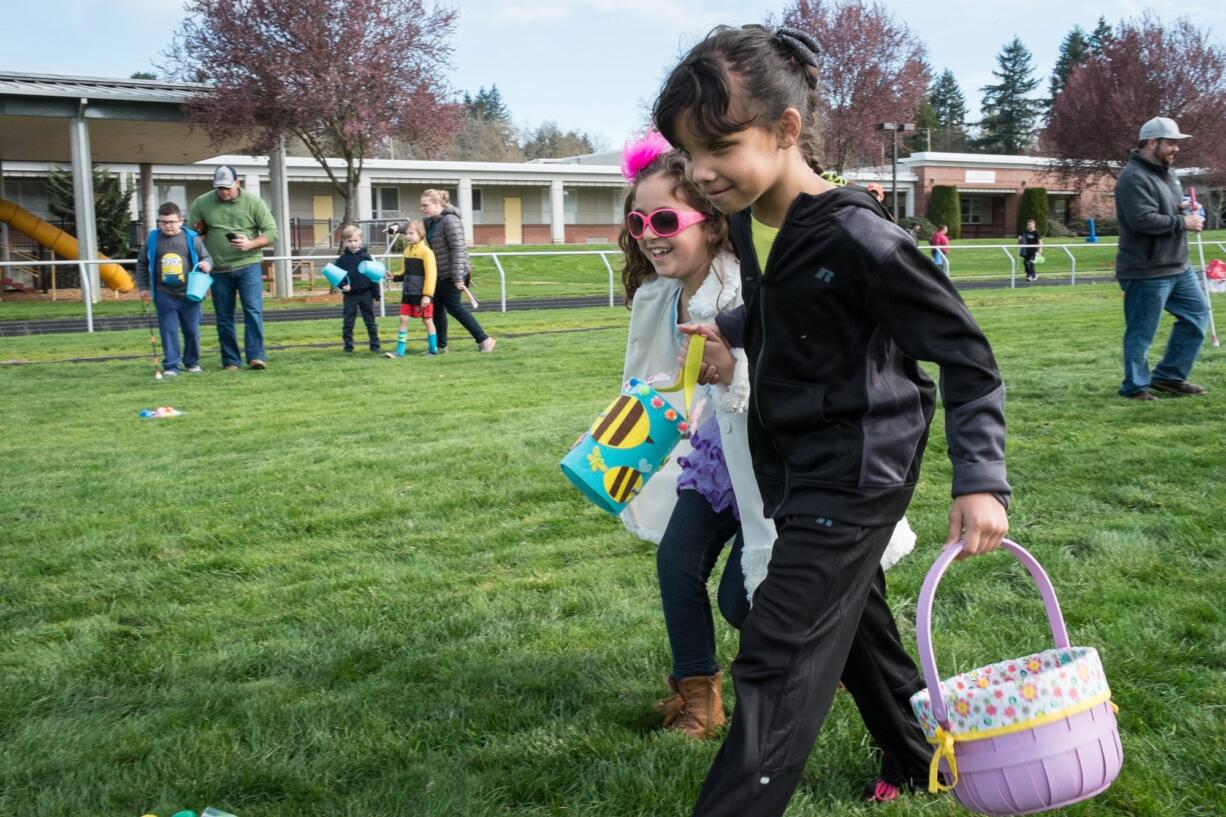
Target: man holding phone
236	227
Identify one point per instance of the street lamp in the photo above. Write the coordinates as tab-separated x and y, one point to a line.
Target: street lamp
894	128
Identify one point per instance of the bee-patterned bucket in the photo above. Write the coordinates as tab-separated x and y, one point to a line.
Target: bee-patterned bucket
632	438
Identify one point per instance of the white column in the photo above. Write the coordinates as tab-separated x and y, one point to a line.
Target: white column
910	201
83	199
465	189
278	182
251	183
365	209
557	212
149	203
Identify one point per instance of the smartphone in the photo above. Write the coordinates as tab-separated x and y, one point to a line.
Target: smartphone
231	236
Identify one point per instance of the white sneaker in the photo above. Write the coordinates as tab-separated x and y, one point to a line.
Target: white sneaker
488	345
170	373
195	370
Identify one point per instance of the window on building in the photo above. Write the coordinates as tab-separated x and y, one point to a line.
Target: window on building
570	206
974	210
172	192
1058	210
385	202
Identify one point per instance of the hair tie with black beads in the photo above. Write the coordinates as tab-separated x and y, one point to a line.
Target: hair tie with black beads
800	43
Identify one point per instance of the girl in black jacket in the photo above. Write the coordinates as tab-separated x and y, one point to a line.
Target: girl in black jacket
839	307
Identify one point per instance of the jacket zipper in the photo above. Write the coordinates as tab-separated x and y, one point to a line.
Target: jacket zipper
787	469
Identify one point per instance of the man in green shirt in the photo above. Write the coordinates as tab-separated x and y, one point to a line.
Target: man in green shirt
236	227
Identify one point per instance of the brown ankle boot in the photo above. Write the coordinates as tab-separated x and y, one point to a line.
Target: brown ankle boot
702	712
671	706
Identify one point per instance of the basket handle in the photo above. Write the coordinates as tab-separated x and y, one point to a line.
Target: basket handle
923	618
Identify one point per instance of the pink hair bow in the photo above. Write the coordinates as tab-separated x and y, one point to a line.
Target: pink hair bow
638	154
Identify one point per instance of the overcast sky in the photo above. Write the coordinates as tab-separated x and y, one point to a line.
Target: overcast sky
589	65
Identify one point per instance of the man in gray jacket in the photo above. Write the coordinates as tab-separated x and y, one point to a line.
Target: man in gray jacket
1152	266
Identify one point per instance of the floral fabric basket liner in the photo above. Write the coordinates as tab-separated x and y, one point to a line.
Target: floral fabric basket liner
1012	695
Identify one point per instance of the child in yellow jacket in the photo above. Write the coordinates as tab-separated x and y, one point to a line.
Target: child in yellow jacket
417	299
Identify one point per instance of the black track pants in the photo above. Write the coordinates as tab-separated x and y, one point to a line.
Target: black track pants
820	615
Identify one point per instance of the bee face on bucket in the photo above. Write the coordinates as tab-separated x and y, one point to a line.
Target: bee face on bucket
622	483
625	424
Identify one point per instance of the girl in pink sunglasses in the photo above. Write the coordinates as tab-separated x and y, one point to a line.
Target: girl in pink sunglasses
680	268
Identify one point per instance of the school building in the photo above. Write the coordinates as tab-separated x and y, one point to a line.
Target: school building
571	201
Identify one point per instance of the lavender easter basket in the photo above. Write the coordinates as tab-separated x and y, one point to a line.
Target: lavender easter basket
1024	735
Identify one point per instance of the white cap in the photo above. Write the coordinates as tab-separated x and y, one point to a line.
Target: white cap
1160	127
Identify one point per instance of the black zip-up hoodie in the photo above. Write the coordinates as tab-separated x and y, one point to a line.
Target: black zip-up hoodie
840	408
349	261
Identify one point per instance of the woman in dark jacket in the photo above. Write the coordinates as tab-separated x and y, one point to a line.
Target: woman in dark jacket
445	234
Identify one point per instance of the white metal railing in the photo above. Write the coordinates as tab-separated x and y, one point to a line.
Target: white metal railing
498	257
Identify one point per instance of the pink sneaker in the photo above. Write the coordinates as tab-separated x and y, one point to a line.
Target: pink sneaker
880	791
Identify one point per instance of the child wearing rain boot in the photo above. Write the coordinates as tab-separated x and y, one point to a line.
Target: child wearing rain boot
416	300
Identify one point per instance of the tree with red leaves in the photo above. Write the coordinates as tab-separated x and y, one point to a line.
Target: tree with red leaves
1145	69
343	76
873	70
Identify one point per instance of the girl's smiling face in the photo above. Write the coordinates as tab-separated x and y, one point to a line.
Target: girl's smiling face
685	256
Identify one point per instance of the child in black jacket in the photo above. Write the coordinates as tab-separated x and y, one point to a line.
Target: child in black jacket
360	292
839	307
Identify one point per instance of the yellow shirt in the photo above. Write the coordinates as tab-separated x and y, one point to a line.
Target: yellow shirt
763	239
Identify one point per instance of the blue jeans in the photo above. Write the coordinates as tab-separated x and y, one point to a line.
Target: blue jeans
248	283
175	314
691	544
1144	300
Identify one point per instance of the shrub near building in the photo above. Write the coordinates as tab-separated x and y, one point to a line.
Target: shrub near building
943	208
1034	206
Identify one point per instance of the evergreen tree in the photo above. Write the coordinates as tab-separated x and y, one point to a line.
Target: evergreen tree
949	105
1009	115
1101	36
926	125
488	105
1074	50
112	213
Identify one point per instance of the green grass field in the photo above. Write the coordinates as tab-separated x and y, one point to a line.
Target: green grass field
355	586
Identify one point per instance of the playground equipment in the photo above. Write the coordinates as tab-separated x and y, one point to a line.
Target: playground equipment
60	243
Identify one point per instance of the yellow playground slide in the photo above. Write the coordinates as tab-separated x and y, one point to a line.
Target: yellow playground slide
60	243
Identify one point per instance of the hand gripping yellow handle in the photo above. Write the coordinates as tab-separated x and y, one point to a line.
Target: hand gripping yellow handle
688	381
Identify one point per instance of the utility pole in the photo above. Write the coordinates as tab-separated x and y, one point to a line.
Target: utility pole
894	128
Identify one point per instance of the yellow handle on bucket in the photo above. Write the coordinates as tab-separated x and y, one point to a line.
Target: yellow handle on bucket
688	381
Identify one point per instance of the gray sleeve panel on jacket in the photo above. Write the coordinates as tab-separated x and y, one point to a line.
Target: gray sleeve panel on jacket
732	326
975	432
1138	202
453	235
202	253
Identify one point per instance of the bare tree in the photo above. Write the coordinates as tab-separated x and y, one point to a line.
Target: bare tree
341	76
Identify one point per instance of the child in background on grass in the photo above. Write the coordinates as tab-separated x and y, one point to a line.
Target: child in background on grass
169	254
940	243
839	308
1032	246
360	292
416	300
679	268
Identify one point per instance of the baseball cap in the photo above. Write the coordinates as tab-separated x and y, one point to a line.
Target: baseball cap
224	176
1161	127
